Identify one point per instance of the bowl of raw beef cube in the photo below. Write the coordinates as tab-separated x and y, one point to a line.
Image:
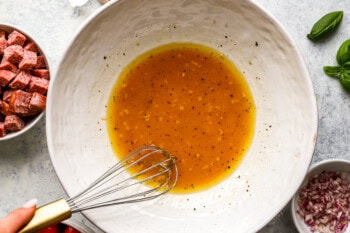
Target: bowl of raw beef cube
24	82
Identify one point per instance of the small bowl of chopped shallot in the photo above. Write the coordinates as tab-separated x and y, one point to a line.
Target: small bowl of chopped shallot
24	82
322	203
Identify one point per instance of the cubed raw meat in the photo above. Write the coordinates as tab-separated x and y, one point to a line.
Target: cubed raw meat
3	45
29	60
31	46
5	108
37	102
40	63
21	80
17	38
6	65
14	54
6	76
24	81
13	123
19	102
41	73
7	95
39	85
2	130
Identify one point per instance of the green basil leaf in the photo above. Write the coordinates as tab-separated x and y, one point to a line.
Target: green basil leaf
343	54
346	67
345	80
333	71
325	25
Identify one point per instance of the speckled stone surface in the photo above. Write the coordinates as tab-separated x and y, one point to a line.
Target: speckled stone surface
26	171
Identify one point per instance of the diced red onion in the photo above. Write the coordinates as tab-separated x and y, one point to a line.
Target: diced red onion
324	203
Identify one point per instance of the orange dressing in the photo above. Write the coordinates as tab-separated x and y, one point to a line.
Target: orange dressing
190	100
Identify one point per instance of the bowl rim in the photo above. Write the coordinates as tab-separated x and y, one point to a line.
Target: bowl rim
80	226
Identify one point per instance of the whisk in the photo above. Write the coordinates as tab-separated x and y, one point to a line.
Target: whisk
146	173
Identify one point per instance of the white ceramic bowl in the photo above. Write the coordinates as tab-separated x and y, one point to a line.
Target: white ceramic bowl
286	114
337	165
29	124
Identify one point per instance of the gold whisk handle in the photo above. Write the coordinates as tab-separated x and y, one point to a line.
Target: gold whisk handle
48	215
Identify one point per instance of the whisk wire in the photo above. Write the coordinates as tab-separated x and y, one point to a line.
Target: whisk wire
96	194
138	197
118	167
86	198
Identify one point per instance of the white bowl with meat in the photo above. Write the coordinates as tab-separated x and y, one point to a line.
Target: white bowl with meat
24	82
322	203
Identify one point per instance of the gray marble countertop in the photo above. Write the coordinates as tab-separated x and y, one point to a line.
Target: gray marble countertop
26	171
